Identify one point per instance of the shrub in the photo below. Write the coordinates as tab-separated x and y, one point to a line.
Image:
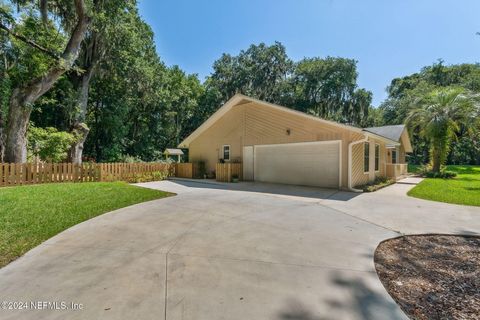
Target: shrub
148	176
200	169
426	171
441	175
48	144
378	183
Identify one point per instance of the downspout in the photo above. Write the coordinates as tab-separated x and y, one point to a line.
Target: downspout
350	145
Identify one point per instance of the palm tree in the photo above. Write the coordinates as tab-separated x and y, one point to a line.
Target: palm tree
439	116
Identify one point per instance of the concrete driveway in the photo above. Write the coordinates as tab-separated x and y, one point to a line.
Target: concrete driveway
236	251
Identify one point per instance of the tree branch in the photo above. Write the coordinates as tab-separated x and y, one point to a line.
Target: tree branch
29	42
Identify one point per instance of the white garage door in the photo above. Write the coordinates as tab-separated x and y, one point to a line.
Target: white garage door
308	164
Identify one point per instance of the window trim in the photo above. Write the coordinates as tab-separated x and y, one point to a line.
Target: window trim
366	164
376	166
394	159
229	152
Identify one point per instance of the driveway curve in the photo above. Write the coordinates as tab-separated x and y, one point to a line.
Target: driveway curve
216	251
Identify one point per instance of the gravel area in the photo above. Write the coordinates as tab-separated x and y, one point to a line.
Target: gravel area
432	276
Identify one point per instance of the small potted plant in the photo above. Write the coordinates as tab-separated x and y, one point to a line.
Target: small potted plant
234	177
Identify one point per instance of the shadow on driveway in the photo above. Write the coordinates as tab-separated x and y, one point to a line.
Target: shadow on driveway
361	300
270	188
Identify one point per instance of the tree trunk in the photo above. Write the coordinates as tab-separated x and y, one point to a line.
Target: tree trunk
436	162
23	98
80	129
18	118
436	165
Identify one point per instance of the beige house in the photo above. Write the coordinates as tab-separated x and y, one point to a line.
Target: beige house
281	145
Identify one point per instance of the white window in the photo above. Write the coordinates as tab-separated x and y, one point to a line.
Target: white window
377	156
226	152
366	157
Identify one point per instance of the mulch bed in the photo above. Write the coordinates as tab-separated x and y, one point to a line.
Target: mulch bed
432	276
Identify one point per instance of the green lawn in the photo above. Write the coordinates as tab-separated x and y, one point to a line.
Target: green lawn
30	215
463	189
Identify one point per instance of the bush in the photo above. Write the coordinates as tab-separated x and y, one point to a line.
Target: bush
148	176
378	183
130	159
441	175
48	144
201	170
426	171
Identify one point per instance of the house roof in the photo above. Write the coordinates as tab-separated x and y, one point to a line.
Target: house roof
391	132
238	99
397	133
173	152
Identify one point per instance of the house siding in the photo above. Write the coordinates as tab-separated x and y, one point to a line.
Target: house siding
252	124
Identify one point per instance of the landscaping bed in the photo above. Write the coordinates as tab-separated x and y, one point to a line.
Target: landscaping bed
432	276
31	214
377	184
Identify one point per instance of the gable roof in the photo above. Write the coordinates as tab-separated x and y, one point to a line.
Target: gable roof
396	133
391	132
173	152
238	99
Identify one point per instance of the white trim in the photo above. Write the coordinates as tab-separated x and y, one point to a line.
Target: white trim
377	137
300	143
339	142
396	156
340	162
229	152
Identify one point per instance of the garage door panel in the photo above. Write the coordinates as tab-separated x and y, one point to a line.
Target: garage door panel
312	164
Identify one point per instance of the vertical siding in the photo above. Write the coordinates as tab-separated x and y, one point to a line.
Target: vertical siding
253	124
229	130
359	177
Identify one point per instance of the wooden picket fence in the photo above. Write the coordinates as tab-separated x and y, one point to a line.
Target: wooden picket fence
184	170
12	174
225	171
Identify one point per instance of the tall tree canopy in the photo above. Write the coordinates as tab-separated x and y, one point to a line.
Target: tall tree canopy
325	87
439	116
73	20
107	92
328	88
406	93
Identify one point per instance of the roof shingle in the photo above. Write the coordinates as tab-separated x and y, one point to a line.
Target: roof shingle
390	132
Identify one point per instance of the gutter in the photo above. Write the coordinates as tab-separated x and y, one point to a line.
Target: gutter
350	145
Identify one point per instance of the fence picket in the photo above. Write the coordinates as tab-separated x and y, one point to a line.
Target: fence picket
12	174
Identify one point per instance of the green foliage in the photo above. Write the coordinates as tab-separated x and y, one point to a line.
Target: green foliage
130	159
48	144
201	169
426	171
441	174
328	88
405	94
257	72
323	87
30	215
378	183
438	117
148	176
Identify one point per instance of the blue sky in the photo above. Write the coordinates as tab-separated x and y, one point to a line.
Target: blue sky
389	38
